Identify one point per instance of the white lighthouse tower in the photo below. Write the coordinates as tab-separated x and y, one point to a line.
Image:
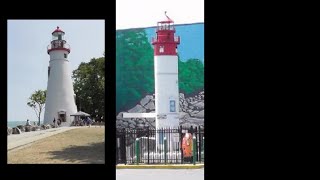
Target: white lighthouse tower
60	97
166	78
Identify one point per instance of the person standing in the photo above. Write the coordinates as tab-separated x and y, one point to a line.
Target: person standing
59	122
28	123
54	122
88	121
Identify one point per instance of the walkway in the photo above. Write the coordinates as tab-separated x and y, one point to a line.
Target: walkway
26	138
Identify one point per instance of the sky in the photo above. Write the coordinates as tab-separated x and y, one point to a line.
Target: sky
28	60
146	13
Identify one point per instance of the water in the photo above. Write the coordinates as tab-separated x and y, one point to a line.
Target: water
16	123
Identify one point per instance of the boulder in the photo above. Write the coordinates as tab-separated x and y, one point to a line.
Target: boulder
27	128
200	114
125	124
183	115
21	127
140	121
120	121
140	126
48	126
137	109
185	104
130	121
199	105
16	130
120	115
145	100
181	96
9	130
191	112
150	106
35	128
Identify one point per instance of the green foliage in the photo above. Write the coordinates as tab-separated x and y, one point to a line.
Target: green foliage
134	67
191	76
37	102
135	70
89	87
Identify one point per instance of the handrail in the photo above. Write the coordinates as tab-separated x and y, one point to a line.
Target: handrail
58	44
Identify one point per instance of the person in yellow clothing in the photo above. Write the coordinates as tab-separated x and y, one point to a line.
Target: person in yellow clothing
187	146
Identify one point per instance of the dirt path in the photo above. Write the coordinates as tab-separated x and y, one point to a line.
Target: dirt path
76	146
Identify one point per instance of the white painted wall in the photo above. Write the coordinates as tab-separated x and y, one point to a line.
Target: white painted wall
166	89
60	94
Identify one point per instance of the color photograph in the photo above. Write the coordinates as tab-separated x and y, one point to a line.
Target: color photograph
56	92
160	89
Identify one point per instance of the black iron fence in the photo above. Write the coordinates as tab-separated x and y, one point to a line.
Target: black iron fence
162	146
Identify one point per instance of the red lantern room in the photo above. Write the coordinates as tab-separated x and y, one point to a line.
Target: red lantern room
165	43
58	42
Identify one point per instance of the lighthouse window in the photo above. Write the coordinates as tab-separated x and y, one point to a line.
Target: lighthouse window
172	106
161	49
65	55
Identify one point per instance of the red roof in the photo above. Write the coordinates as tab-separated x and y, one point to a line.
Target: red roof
57	30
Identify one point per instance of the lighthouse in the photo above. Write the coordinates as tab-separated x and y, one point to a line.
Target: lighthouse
166	86
60	97
166	78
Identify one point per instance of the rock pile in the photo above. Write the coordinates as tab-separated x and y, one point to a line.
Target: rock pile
191	112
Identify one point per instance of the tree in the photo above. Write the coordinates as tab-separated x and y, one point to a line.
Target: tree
134	67
89	87
191	76
37	102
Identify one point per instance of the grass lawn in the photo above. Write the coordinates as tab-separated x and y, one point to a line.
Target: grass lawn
76	146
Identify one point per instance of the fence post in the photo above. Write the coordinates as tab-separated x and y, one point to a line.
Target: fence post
180	143
203	148
124	146
137	151
165	150
200	144
194	144
148	134
196	133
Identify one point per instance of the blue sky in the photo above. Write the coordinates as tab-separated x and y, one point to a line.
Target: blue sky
28	59
192	40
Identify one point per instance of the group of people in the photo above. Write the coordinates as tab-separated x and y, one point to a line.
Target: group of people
29	124
58	122
86	121
83	121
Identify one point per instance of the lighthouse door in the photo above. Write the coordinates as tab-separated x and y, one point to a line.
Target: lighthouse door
62	116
